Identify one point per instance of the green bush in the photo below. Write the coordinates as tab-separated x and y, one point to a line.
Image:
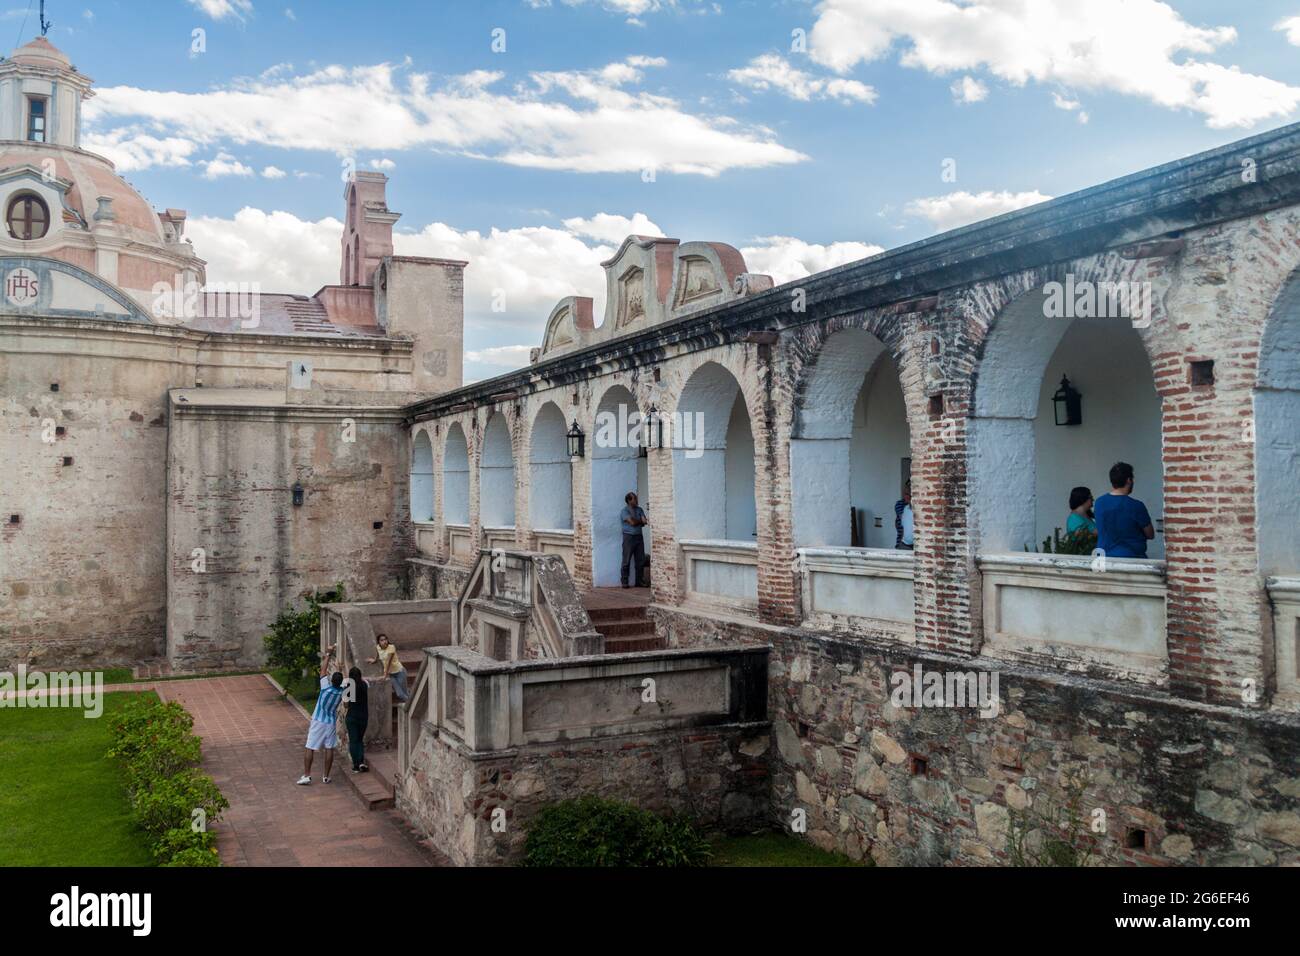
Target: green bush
161	755
591	831
294	642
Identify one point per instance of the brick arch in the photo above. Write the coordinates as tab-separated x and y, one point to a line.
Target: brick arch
550	472
806	347
833	466
616	468
423	500
496	470
457	467
1014	343
714	487
1277	451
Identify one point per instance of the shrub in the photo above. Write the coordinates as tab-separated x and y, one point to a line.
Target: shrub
591	831
294	641
161	755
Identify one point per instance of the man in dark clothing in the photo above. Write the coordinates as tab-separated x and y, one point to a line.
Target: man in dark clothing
633	519
1123	523
357	719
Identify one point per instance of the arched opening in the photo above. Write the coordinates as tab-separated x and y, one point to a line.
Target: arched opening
422	508
1022	464
713	459
550	472
1277	436
616	468
851	451
455	477
496	476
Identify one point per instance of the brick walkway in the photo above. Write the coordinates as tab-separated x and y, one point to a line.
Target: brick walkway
252	747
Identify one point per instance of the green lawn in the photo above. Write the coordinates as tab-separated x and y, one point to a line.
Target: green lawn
62	801
774	849
304	689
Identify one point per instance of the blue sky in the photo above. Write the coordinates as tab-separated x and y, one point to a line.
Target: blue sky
530	161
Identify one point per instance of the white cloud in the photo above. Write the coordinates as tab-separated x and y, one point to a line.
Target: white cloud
969	90
773	72
961	208
385	164
532	266
1141	48
224	165
785	258
275	249
221	9
131	148
501	356
612	229
289	14
1290	26
580	121
273	172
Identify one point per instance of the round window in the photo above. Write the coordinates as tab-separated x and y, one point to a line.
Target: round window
28	217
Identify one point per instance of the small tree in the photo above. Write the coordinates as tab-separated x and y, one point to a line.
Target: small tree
294	641
1054	834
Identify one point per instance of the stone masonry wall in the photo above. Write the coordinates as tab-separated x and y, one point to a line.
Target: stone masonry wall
717	775
1180	782
230	479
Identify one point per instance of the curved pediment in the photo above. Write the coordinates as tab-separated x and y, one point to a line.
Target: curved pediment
31	285
569	321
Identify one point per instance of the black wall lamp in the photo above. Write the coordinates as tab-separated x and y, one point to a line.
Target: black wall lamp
652	429
297	494
577	441
1068	404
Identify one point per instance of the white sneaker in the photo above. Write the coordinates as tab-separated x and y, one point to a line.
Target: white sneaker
304	780
324	779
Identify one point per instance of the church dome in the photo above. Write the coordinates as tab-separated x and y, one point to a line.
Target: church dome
59	201
42	54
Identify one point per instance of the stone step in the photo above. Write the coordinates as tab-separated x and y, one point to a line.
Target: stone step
626	628
629	645
633	612
375	788
371	789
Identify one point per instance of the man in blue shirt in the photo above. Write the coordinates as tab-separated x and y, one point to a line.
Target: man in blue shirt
1123	524
633	519
322	732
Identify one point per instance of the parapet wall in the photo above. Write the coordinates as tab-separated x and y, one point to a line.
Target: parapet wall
485	744
1175	782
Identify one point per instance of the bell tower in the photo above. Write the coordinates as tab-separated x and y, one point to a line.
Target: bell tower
367	228
41	94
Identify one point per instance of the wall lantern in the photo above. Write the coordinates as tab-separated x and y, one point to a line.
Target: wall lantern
297	494
577	441
652	429
1068	403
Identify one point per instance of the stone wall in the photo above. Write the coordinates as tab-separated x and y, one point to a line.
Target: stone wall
83	569
232	465
1179	782
718	775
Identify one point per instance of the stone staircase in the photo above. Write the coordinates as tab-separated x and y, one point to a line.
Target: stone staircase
375	788
625	624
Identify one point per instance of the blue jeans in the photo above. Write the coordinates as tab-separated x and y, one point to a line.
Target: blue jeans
399	684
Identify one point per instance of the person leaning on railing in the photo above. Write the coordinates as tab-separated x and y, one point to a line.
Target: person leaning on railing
393	669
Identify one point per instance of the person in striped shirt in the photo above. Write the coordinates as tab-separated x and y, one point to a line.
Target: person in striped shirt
322	732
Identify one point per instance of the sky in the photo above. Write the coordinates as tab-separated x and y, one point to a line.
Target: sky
530	136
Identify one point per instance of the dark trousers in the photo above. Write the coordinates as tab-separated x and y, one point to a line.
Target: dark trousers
634	554
357	742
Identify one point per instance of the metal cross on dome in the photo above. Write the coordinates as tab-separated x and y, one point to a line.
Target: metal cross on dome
45	24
